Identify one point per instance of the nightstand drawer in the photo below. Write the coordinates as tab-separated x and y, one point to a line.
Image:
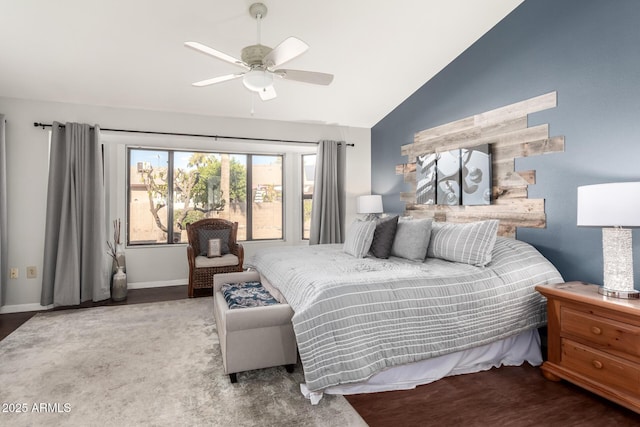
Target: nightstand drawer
593	341
606	333
605	369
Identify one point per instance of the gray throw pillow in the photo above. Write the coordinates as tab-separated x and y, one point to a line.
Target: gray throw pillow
205	235
470	243
383	237
359	237
412	239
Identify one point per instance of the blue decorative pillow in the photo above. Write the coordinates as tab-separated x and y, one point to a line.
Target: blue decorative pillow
246	294
205	235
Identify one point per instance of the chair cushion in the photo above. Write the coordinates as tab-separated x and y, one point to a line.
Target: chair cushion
223	261
206	234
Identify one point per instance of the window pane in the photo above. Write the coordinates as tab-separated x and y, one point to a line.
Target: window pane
196	190
266	188
308	176
234	191
148	197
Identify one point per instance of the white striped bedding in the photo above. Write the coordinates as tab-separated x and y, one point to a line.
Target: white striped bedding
355	317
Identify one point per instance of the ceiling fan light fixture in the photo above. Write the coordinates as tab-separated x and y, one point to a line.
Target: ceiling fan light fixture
260	63
257	80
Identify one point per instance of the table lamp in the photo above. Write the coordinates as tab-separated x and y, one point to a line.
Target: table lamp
613	206
370	205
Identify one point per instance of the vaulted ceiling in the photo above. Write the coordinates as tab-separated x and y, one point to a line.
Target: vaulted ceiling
130	53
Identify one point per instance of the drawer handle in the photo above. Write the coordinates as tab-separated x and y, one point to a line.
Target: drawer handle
596	330
597	364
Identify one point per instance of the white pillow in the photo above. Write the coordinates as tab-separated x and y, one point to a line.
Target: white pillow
470	243
359	238
214	248
412	239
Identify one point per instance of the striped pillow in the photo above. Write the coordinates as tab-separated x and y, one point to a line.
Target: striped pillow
470	243
359	238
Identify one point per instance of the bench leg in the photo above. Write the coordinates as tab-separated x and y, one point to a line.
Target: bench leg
233	378
289	368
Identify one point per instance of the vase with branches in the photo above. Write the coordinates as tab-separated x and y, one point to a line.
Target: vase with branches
114	247
119	279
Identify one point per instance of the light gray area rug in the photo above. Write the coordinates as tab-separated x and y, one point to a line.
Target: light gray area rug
153	364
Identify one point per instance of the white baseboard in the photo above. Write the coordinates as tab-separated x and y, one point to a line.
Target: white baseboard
19	308
161	284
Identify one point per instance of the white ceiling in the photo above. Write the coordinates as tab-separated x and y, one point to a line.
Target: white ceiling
130	53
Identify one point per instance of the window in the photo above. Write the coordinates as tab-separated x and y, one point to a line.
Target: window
308	176
266	193
169	189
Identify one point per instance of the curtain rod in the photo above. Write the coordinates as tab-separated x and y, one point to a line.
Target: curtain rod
150	132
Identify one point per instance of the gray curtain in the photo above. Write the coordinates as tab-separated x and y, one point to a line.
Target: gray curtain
329	198
76	264
4	245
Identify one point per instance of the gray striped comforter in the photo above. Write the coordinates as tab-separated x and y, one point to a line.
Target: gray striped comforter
355	317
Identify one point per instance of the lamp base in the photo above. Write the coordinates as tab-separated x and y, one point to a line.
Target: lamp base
633	294
617	253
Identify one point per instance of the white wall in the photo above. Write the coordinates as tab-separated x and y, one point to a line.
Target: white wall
27	155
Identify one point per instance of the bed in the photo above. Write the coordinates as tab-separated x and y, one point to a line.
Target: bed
369	324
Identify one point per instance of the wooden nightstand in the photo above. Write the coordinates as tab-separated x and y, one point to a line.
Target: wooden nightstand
593	341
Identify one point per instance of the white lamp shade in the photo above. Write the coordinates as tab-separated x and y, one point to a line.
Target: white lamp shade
369	204
256	80
603	205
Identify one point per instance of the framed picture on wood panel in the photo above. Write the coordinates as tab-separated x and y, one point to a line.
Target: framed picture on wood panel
476	175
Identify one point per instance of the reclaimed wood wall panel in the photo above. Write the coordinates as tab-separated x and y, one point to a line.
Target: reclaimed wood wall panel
507	132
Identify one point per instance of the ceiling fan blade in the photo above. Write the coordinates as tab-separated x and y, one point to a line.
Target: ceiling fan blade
268	93
285	52
305	76
216	54
217	80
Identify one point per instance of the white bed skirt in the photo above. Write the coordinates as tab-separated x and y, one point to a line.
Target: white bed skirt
512	351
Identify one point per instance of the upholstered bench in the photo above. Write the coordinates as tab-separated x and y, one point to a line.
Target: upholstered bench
252	337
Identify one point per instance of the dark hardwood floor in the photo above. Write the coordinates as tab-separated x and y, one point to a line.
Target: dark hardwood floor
508	396
11	321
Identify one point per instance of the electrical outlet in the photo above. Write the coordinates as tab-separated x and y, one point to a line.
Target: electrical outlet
32	272
13	274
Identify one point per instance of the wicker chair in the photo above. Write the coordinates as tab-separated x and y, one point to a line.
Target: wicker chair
201	268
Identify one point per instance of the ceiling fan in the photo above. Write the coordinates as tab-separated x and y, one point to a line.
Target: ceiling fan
259	62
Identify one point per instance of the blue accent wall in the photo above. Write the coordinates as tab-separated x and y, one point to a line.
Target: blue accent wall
587	51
